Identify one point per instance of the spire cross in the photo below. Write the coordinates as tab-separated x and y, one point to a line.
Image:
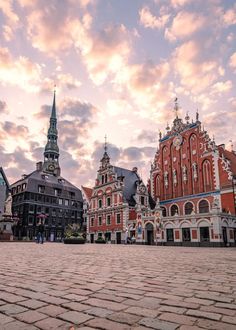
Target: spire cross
176	107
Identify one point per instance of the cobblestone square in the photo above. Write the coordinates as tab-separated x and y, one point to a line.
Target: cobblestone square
93	286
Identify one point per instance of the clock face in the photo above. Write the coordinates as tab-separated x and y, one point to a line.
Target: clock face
142	189
51	167
178	141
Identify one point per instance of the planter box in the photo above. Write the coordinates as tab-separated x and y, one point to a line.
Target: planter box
74	240
100	241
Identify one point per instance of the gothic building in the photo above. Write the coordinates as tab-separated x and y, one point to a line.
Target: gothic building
112	208
194	180
45	195
4	190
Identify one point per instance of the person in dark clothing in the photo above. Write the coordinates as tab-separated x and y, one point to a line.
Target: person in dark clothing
40	235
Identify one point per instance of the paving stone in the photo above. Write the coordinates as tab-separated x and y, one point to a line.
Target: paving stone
75	317
204	315
76	306
107	297
122	317
101	312
101	323
199	301
11	298
177	303
5	319
17	325
176	318
213	325
223	305
30	316
171	309
11	309
49	323
158	324
218	310
143	311
229	319
75	297
52	310
106	304
32	303
146	302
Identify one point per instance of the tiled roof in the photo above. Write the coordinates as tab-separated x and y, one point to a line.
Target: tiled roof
88	192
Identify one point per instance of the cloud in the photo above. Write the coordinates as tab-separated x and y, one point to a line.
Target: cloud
147	136
12	19
222	87
179	3
148	20
13	130
61	80
114	42
184	25
195	75
19	72
3	107
229	17
232	61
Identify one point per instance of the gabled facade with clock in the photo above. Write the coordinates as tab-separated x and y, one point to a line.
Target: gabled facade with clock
194	181
45	195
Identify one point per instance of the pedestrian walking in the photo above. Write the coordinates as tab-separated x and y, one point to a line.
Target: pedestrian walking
40	236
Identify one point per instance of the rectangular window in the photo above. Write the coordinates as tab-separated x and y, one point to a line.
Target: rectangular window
30	220
100	203
31	208
66	202
41	189
99	221
60	201
92	222
108	201
108	220
118	219
142	200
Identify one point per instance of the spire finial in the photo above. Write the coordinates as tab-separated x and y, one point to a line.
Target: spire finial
105	144
187	117
197	115
176	107
53	115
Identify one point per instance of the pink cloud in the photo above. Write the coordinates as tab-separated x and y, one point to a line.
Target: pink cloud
185	24
148	20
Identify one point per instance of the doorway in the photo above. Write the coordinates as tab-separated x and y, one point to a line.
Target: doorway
118	238
150	234
204	234
224	232
91	238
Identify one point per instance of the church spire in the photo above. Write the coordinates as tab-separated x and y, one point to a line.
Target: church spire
51	152
105	159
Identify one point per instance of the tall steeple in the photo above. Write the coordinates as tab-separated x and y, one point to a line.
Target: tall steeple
51	151
105	159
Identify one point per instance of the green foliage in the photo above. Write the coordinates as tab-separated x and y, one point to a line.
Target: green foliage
73	231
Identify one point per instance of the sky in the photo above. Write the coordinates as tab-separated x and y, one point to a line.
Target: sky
117	66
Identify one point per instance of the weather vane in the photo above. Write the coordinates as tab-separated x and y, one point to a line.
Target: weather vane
105	145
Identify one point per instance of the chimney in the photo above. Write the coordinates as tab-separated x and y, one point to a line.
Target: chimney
135	169
39	166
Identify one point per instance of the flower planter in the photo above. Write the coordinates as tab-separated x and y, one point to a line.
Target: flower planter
100	241
74	240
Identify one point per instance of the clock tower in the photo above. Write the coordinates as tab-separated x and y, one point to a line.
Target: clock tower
51	152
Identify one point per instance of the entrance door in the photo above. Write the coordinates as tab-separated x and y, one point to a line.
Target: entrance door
91	238
150	234
204	234
224	232
118	238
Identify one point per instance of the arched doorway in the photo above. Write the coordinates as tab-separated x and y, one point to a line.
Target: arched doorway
149	233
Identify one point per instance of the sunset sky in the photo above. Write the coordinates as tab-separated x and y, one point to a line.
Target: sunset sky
118	65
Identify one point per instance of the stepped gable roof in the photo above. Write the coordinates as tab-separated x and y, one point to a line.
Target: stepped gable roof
130	183
231	156
88	192
39	177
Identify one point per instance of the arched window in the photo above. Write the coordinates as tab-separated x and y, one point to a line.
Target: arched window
207	176
174	210
164	212
99	203
188	208
158	186
204	206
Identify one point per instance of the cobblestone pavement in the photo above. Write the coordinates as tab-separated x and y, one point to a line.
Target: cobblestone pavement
117	287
